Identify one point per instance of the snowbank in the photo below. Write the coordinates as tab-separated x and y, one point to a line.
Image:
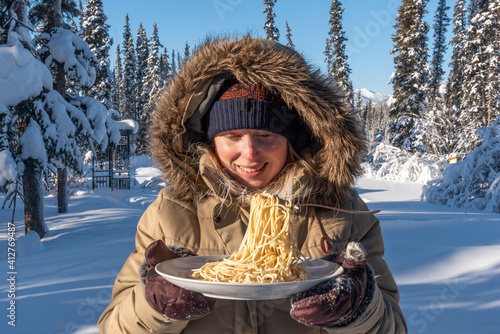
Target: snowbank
387	162
29	244
473	182
25	245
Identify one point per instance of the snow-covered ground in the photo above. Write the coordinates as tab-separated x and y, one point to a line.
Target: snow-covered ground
445	260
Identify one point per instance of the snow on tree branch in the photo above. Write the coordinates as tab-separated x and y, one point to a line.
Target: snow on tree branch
21	75
66	47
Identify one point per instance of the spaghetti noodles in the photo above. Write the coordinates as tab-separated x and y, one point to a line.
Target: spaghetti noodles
267	252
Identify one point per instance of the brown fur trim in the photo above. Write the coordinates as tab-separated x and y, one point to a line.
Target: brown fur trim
337	144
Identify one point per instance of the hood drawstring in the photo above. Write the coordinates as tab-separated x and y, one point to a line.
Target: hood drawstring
326	241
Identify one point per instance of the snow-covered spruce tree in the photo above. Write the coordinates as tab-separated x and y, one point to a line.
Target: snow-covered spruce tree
179	61
165	70
441	122
466	137
153	83
95	31
473	182
270	28
479	100
359	110
3	21
336	58
118	78
187	53
369	116
68	58
44	129
441	21
157	71
491	29
411	77
80	21
128	83
288	36
19	162
142	51
493	51
458	58
174	67
442	128
476	70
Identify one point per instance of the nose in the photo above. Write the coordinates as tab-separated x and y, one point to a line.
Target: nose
250	149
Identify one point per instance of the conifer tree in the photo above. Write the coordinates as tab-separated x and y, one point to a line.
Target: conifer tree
128	82
441	21
329	57
51	16
174	67
358	107
335	52
164	68
95	31
46	129
179	61
80	8
75	28
142	52
114	96
441	128
117	92
411	76
493	53
17	34
187	53
151	89
142	89
288	36
481	72
270	28
458	58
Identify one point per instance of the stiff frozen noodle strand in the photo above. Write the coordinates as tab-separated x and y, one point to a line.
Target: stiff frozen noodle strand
267	253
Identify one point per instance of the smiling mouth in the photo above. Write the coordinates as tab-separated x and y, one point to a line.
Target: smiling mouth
252	170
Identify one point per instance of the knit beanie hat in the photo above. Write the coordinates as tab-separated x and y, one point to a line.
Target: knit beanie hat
244	106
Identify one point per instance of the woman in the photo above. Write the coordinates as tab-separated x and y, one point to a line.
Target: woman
246	116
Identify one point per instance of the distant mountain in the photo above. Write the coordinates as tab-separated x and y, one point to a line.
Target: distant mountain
367	95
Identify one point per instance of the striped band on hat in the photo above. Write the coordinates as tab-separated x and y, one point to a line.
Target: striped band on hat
245	106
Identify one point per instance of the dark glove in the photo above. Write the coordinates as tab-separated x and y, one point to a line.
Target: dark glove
168	299
337	300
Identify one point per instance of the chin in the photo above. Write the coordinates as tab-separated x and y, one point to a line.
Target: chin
256	185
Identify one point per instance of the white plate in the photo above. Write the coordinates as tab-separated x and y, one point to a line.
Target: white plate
175	272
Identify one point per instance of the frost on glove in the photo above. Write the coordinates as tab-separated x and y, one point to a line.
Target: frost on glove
340	300
172	301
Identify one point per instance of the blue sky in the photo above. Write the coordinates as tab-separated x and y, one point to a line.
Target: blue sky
368	25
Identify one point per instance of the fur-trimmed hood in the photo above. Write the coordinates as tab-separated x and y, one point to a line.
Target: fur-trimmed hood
332	140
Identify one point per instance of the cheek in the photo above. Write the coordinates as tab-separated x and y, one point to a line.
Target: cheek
225	153
278	154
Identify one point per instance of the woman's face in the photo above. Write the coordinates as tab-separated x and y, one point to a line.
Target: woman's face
251	157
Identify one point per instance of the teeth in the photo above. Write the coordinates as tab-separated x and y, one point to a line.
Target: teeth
251	170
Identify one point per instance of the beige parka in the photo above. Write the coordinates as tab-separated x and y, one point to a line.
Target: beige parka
192	213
